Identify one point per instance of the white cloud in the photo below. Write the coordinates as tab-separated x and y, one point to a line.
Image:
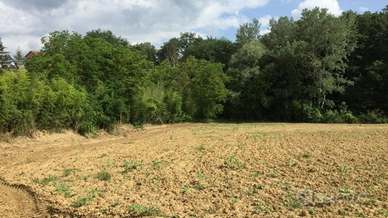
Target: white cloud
332	5
363	9
264	21
152	21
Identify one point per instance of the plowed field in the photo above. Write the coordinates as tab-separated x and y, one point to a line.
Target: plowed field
200	170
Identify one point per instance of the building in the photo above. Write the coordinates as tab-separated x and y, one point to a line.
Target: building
30	54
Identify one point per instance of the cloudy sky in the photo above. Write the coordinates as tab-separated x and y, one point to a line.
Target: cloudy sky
24	22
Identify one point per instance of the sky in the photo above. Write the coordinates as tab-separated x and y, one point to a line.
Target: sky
24	22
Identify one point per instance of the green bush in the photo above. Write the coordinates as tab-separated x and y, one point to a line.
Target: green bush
373	117
312	114
332	116
349	118
27	104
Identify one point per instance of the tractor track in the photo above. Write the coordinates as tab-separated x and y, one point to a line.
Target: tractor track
21	201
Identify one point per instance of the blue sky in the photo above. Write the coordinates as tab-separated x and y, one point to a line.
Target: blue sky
23	23
278	8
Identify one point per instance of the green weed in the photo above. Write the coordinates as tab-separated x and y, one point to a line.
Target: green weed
46	181
275	173
200	176
103	176
293	162
103	155
382	212
82	201
117	202
64	189
256	190
185	189
201	186
157	164
128	143
306	155
140	210
67	172
130	166
232	162
234	199
200	148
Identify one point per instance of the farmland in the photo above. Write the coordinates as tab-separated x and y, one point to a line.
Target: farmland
200	170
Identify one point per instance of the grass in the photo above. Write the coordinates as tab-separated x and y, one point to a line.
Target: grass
259	133
293	162
275	173
234	199
46	181
67	172
103	176
63	188
128	143
117	202
346	191
82	201
157	164
306	155
185	189
256	190
201	186
200	176
140	210
200	148
89	198
232	162
130	166
382	212
103	155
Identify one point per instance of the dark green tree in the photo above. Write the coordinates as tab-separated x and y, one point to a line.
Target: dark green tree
5	58
368	65
213	49
108	36
248	32
147	49
247	84
203	88
170	51
19	59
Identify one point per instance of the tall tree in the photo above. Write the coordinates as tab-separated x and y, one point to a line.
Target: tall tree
307	58
108	36
148	50
328	43
186	40
213	49
247	84
248	32
19	59
203	88
369	64
170	51
5	58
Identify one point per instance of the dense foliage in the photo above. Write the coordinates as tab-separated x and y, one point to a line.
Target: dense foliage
320	68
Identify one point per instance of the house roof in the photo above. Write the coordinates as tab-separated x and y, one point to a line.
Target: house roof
32	53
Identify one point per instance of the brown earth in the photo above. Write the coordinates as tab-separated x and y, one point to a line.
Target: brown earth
200	170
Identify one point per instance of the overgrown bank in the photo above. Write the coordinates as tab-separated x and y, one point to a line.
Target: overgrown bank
320	68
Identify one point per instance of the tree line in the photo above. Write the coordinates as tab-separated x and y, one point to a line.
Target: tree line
320	68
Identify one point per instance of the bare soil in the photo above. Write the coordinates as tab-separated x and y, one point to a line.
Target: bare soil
200	170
